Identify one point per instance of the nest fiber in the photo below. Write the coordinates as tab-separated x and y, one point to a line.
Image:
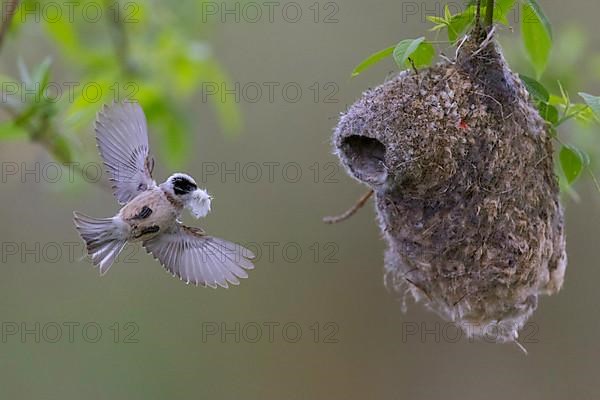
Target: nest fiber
466	196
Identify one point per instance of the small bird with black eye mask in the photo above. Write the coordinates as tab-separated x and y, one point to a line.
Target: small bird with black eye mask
151	212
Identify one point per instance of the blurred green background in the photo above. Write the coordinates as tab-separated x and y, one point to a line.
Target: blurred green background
355	342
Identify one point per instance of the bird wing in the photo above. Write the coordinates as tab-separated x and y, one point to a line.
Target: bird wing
122	138
199	259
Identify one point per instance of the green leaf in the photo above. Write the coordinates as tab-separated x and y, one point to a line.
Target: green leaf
549	113
536	9
10	130
88	97
572	162
447	13
436	20
581	112
556	100
584	114
61	149
502	8
23	71
459	23
424	54
537	91
536	34
593	102
418	50
564	94
65	35
404	49
41	75
372	60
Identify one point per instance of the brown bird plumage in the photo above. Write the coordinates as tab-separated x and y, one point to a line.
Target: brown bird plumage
151	213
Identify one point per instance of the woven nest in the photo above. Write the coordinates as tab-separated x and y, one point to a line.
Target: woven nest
466	196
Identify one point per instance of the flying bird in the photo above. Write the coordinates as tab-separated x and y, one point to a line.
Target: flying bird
150	213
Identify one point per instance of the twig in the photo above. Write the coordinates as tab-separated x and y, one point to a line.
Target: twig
119	37
520	346
484	44
36	135
596	183
462	42
359	204
414	67
11	7
489	13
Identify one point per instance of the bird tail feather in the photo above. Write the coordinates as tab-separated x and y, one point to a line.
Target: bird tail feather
103	237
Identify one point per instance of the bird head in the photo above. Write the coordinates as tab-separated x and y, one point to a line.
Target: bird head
184	188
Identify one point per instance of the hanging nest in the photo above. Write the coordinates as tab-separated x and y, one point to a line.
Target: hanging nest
461	165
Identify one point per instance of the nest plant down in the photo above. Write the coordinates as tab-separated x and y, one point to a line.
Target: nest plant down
462	168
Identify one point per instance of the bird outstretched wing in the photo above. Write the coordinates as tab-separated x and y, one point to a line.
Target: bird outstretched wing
199	259
122	137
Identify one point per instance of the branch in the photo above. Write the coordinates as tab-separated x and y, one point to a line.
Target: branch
38	134
489	13
359	204
119	38
11	7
